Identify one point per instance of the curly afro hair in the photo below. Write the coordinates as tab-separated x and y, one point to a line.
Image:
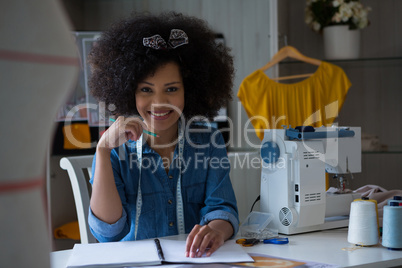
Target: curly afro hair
120	61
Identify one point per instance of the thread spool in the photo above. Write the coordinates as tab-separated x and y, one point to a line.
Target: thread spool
376	210
396	198
391	227
363	226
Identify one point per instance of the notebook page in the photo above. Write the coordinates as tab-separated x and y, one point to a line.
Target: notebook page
229	252
114	254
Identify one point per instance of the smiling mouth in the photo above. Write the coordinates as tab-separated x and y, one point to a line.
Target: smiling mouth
160	114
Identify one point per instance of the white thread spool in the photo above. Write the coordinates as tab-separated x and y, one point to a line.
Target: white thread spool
391	227
363	227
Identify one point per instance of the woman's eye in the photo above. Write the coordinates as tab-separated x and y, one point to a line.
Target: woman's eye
172	89
145	89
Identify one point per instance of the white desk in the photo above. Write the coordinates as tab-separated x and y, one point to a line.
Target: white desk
323	247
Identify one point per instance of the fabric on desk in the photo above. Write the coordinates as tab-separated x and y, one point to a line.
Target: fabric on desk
368	190
315	101
334	190
69	230
206	189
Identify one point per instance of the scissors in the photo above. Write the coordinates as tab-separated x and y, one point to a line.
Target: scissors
253	241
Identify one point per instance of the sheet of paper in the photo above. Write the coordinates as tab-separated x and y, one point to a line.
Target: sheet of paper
114	254
229	252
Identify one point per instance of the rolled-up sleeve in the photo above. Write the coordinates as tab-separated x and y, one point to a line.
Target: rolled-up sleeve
102	231
105	232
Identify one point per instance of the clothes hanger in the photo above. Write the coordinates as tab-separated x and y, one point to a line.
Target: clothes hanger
291	52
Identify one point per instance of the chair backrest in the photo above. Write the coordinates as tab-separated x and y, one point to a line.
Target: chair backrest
76	166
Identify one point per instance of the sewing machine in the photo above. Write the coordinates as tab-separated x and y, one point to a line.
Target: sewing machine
293	179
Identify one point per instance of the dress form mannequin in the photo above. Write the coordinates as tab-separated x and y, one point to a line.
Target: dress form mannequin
38	69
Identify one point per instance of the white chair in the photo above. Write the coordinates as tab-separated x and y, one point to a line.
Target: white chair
76	167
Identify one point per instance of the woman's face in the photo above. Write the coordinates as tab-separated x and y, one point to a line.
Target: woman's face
160	98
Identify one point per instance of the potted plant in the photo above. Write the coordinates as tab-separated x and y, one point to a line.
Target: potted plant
339	21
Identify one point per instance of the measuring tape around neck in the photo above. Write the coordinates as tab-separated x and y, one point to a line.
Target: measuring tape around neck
179	199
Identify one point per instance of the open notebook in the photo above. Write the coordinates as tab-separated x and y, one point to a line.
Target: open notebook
144	252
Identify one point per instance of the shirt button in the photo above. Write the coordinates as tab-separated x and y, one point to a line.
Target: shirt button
170	201
171	224
170	177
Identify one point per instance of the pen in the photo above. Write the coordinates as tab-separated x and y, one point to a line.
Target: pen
145	131
159	248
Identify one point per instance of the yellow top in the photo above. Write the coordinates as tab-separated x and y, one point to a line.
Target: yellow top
315	101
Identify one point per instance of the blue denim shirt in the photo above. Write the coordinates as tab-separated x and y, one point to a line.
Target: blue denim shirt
207	192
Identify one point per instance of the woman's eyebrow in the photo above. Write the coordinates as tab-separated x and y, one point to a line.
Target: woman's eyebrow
172	83
145	82
167	84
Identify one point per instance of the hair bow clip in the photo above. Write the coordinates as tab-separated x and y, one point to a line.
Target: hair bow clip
177	38
156	42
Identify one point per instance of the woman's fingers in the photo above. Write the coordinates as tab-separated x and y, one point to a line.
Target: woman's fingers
201	240
123	129
190	239
214	245
134	127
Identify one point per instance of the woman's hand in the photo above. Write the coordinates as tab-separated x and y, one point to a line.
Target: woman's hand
208	238
122	130
105	200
